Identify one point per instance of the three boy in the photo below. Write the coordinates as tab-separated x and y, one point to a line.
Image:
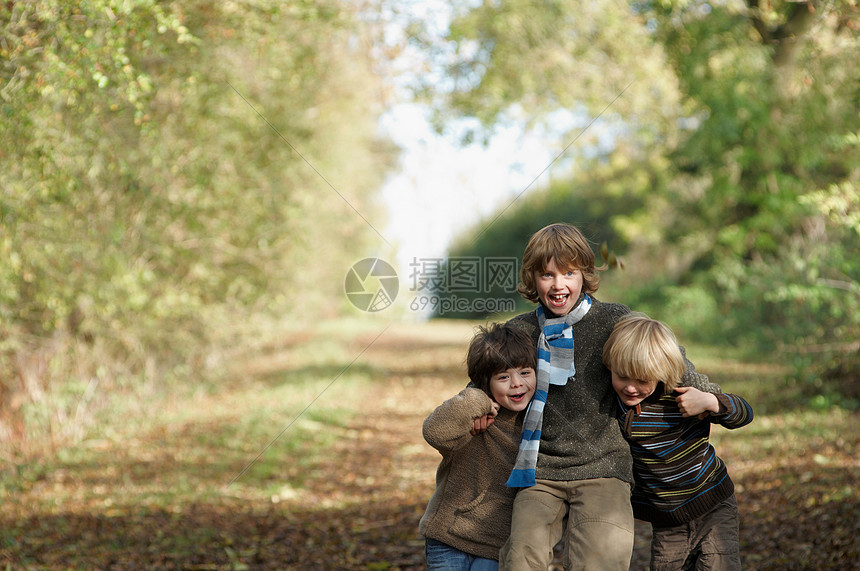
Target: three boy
573	467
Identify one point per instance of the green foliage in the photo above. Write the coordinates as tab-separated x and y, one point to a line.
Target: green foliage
524	59
171	169
777	111
749	231
589	203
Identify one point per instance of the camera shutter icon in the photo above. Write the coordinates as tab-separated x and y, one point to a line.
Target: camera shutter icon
371	284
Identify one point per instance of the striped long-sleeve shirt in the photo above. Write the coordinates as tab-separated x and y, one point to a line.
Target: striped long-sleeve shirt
678	475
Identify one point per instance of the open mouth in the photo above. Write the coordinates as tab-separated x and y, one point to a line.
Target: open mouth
518	397
559	299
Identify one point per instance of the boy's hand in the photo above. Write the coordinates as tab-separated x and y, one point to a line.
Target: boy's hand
481	423
694	402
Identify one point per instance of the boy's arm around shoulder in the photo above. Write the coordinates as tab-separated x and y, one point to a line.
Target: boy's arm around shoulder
695	379
734	411
449	426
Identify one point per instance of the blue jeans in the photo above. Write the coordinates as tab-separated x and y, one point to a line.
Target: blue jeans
442	557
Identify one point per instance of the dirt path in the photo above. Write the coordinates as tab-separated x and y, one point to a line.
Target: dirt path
387	471
159	500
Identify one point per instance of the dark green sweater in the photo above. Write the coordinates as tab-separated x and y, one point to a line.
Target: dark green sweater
580	437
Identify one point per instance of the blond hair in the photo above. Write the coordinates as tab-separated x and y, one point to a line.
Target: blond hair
642	348
567	247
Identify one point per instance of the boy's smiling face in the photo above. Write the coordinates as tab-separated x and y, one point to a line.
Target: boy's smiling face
513	388
558	288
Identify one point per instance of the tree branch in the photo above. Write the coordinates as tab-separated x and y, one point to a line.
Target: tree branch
757	22
798	21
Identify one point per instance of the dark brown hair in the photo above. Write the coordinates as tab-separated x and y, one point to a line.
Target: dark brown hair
496	348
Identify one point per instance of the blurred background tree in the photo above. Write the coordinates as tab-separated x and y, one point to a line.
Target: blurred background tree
736	148
159	183
177	174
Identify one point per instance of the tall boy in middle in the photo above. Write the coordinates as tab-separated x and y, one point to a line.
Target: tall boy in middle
574	467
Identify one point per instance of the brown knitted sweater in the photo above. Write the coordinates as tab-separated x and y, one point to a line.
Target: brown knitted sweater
471	508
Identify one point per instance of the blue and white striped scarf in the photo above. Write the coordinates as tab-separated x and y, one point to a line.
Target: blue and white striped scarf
555	366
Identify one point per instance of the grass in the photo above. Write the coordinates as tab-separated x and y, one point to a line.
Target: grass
208	433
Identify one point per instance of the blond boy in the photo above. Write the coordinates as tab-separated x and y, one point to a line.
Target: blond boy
682	486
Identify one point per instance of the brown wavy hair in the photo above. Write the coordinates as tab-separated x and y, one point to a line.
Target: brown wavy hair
570	250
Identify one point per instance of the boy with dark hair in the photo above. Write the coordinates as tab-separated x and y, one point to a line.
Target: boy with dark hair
477	431
682	486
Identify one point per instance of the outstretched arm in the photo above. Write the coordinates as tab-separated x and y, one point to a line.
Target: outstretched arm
734	411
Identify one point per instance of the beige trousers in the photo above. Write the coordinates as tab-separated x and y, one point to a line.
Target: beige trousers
598	521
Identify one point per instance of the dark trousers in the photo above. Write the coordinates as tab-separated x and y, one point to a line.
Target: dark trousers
707	542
